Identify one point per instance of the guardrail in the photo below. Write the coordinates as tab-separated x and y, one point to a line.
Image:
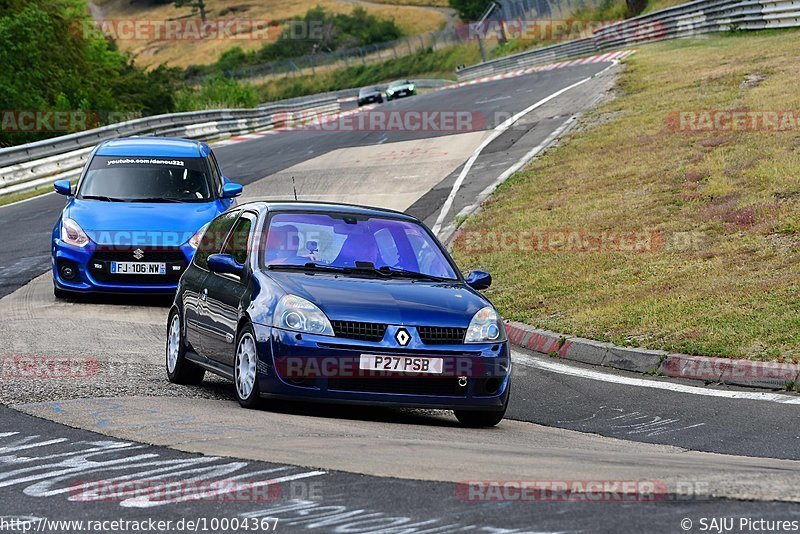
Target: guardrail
38	164
693	18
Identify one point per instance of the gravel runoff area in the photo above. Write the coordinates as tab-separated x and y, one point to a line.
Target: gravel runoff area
55	350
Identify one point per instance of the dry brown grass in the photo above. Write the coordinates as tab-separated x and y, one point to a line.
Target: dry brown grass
412	18
430	3
726	203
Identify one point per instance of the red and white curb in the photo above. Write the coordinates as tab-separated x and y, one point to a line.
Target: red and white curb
611	56
749	373
242	138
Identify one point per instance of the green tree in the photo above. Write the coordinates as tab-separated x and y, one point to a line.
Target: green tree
635	7
469	9
196	5
54	59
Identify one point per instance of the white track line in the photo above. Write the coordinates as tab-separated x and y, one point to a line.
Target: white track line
17	202
579	372
447	231
533	152
499	130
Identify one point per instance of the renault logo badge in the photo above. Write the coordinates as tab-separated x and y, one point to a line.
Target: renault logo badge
402	336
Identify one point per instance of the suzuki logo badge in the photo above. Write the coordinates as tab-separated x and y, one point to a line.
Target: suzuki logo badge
138	254
402	336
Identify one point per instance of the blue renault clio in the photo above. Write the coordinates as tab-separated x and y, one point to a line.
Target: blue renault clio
133	222
338	303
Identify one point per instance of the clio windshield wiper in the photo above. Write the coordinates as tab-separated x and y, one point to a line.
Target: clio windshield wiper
308	267
396	271
384	271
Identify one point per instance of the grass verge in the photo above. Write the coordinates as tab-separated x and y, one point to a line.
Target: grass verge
725	204
16	197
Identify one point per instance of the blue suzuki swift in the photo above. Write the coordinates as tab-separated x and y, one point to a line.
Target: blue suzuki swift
133	222
338	303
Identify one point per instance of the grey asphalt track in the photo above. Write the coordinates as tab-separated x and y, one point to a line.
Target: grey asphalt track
47	476
376	500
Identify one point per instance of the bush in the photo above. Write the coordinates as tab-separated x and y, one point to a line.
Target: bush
217	92
470	9
318	31
51	62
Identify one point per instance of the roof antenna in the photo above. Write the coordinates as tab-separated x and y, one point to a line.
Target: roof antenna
294	189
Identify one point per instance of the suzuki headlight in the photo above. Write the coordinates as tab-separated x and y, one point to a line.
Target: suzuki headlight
389	92
412	87
298	314
194	242
72	233
486	327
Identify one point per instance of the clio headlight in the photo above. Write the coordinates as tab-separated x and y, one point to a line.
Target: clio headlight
486	327
298	314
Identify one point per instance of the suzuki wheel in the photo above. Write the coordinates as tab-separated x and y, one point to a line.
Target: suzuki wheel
60	294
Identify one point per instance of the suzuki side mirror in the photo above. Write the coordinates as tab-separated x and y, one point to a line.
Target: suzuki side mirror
63	187
231	190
